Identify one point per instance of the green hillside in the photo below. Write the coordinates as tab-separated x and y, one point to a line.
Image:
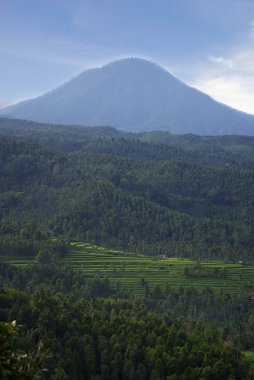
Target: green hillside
130	270
188	197
135	272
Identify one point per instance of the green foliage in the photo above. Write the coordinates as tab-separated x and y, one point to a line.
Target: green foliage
119	339
194	200
152	193
16	363
136	272
70	330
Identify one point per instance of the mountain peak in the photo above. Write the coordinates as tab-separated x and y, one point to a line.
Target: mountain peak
137	61
134	94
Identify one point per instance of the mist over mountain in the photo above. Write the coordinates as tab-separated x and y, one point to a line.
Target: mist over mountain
133	95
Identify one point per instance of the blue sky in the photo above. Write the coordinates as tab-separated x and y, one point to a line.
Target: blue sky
207	44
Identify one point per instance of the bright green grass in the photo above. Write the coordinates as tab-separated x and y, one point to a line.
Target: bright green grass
127	270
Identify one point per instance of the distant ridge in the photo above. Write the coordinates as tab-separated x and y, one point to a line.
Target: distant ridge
134	95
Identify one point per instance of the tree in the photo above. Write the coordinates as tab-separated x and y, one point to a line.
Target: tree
16	363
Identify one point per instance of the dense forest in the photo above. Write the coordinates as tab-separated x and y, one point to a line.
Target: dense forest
187	196
56	325
153	193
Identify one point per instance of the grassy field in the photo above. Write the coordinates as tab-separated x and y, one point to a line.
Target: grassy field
19	261
128	269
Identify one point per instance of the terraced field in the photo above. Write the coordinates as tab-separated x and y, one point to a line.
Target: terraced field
19	261
127	270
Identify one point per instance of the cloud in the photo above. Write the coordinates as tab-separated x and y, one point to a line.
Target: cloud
230	84
230	78
235	91
227	62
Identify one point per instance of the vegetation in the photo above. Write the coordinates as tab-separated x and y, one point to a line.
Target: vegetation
80	311
132	270
72	329
14	362
190	201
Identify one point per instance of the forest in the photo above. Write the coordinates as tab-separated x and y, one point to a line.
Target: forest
188	196
56	325
150	193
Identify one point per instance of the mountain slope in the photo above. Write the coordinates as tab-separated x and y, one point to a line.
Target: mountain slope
152	198
134	95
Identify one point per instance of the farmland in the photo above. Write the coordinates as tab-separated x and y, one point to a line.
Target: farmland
128	269
131	271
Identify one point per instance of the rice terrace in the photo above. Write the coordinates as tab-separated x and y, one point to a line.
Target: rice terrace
132	271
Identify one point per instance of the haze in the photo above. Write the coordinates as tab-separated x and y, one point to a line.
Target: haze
208	45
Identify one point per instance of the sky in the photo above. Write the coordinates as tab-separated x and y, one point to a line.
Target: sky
208	44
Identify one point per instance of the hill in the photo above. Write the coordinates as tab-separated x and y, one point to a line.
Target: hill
134	272
133	95
190	201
